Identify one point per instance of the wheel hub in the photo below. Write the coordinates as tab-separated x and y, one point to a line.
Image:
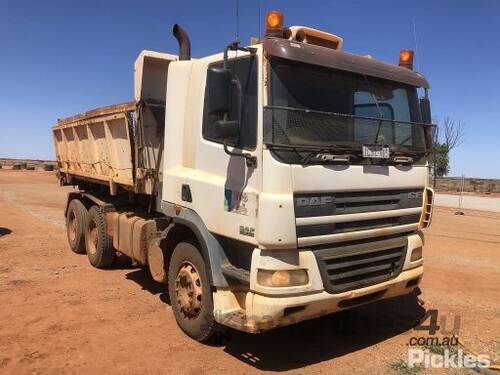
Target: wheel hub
188	290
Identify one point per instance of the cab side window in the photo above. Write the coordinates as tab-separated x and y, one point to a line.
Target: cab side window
245	69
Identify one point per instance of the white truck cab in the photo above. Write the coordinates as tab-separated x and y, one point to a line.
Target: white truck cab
269	184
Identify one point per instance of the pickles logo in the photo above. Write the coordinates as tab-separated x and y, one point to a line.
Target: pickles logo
313	201
443	351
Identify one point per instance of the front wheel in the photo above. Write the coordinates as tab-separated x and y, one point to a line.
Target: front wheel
190	292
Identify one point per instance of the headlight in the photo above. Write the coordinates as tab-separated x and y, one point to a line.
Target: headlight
282	278
416	254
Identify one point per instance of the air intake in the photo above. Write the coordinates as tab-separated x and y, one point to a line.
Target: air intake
425	220
316	37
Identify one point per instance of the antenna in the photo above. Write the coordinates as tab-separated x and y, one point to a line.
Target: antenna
417	65
259	30
237	20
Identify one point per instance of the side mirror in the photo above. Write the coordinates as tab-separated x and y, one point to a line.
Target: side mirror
219	91
429	132
425	110
224	99
227	129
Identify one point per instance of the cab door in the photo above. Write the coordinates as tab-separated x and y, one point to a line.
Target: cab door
227	173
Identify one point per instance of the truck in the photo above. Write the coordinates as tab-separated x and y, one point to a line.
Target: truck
263	185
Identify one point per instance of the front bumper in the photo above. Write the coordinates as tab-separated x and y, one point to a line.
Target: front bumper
264	312
264	308
270	312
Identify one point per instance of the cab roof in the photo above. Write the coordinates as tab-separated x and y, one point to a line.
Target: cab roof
331	58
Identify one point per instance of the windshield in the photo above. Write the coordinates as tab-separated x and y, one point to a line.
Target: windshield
314	106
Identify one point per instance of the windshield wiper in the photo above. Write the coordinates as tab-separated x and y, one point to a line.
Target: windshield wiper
295	149
336	158
322	153
305	159
402	159
407	150
381	116
326	155
404	155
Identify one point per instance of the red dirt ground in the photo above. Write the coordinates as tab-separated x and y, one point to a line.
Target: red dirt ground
60	315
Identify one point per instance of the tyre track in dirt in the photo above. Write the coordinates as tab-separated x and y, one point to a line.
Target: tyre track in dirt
10	198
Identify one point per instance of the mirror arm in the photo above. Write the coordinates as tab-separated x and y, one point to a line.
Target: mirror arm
251	161
235	46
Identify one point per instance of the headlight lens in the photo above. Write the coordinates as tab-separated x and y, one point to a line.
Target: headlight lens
282	278
416	254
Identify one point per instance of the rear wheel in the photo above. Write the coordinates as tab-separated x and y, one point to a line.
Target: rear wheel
190	292
76	222
98	243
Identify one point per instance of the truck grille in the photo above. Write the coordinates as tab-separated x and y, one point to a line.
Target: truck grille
359	265
325	218
358	238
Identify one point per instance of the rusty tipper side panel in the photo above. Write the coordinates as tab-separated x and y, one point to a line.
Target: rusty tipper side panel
97	146
120	145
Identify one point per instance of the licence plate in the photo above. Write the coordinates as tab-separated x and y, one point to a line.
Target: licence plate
376	151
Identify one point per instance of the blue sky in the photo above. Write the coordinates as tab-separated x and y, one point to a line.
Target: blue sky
63	57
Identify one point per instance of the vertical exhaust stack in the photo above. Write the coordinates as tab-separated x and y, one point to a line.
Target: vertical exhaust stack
184	42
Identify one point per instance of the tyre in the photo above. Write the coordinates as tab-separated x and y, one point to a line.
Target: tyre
190	292
98	243
76	222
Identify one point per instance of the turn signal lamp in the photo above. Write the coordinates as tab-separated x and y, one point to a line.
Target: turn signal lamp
406	58
274	23
416	254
